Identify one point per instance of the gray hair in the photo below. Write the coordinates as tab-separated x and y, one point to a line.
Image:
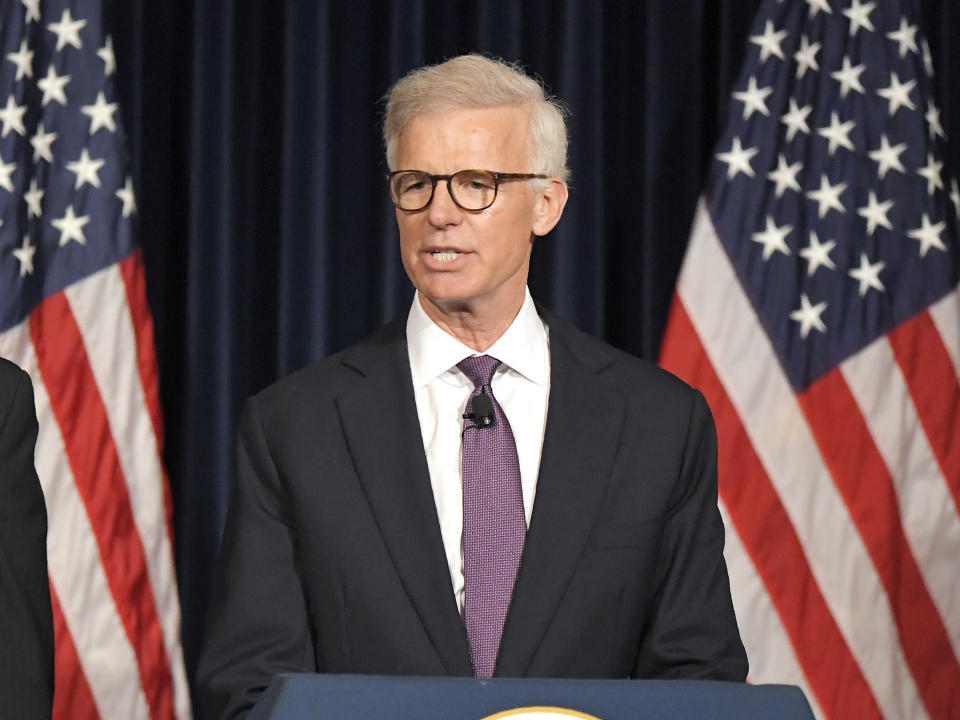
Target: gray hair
475	81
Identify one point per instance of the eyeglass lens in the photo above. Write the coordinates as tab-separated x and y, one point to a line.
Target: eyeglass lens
471	189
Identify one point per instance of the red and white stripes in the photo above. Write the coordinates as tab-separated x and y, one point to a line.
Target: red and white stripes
89	352
841	502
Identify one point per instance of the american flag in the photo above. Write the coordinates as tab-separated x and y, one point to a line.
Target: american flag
817	309
73	313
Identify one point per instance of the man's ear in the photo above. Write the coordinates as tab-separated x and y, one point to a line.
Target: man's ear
549	207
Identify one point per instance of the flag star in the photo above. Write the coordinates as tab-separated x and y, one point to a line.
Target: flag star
828	196
753	98
25	255
955	196
859	15
849	77
929	235
796	119
817	5
931	172
868	275
809	316
876	213
52	86
12	116
100	114
738	160
773	238
769	42
67	31
905	37
6	170
71	227
818	254
23	59
33	9
888	158
41	142
838	133
898	94
106	54
927	58
785	176
933	120
34	196
806	56
126	195
86	170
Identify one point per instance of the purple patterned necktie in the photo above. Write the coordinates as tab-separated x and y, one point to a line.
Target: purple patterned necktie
494	526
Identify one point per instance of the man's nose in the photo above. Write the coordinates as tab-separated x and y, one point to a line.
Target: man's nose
443	210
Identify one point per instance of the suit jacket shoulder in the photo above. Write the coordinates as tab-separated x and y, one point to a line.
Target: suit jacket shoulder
324	380
626	374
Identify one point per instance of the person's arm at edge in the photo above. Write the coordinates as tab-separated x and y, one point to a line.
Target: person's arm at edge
26	618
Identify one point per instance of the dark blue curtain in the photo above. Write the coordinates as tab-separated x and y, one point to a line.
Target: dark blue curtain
269	238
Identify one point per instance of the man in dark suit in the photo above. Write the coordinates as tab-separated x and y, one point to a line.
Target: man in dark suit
26	621
478	488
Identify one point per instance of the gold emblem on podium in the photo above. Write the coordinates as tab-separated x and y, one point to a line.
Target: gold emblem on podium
541	713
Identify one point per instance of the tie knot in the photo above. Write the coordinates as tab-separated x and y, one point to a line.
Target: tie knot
479	369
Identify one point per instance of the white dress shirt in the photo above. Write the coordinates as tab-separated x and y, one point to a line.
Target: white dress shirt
522	387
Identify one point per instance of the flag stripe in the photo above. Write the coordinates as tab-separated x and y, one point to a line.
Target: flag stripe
851	455
74	700
751	374
946	316
80	413
131	269
99	306
760	626
133	277
935	390
929	517
769	537
73	559
132	272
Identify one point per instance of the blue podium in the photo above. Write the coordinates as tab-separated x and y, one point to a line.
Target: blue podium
368	697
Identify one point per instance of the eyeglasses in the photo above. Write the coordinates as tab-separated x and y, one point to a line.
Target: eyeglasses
471	190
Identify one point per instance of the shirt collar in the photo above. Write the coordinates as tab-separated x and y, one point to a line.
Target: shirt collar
433	351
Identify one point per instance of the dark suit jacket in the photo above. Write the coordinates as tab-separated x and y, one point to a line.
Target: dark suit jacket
332	559
26	621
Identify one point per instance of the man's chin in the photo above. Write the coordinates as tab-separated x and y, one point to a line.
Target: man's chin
449	302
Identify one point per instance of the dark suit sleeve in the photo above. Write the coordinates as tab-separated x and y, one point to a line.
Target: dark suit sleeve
693	631
257	622
26	621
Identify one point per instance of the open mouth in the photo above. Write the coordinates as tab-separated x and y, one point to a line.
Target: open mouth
446	255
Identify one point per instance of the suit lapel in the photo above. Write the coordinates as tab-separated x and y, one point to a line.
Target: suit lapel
583	428
381	427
